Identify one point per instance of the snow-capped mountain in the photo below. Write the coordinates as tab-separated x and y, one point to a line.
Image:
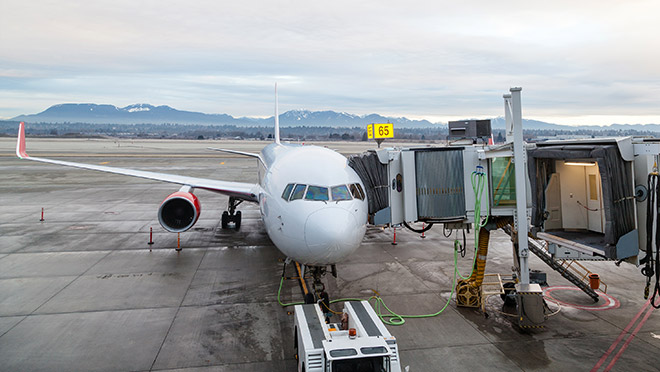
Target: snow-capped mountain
143	113
133	114
138	107
148	114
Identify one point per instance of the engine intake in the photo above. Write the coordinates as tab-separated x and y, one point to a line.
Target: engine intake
179	211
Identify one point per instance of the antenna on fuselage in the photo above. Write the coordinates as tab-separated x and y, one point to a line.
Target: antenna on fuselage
277	118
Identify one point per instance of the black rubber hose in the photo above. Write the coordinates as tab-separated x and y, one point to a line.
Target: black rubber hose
656	265
419	231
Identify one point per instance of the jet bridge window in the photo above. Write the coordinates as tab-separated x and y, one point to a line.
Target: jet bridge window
340	193
356	190
287	191
298	192
317	193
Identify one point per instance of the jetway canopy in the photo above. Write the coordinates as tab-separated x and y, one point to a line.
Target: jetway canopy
616	179
373	173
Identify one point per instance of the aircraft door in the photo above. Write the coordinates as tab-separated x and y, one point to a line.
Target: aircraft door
553	203
594	199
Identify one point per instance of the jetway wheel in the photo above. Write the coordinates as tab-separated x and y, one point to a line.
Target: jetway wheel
509	295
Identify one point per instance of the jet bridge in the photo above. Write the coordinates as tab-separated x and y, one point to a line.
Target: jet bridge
585	200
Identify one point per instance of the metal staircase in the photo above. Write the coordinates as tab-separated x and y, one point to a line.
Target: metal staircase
563	267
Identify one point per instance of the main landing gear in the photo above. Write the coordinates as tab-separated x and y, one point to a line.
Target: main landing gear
232	215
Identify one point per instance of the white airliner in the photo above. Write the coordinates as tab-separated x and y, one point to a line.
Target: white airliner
312	203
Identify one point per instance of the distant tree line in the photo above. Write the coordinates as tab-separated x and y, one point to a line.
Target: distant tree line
187	131
302	133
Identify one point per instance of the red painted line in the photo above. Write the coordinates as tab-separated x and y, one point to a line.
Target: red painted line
618	339
609	304
629	340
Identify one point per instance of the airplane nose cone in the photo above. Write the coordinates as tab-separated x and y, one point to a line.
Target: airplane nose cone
332	234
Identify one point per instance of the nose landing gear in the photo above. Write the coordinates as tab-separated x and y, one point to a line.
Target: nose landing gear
316	293
232	215
320	295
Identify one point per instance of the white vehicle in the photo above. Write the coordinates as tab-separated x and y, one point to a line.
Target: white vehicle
312	203
360	343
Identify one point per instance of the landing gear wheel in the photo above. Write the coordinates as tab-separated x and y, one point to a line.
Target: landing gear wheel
237	220
232	215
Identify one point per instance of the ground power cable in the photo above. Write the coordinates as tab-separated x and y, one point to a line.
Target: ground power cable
385	314
652	264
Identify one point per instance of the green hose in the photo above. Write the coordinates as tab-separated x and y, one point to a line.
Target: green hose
474	260
394	319
478	179
279	290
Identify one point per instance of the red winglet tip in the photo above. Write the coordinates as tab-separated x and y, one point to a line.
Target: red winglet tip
20	144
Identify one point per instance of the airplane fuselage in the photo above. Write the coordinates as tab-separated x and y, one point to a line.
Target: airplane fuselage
311	204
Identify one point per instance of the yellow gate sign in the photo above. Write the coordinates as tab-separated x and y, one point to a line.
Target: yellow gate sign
377	131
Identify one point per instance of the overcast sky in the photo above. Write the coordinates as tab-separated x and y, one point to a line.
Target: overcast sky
579	62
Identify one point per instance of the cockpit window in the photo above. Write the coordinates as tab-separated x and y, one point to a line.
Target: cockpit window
340	193
317	193
295	191
356	190
287	191
362	194
298	192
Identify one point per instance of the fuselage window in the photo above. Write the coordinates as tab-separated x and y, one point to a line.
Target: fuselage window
340	193
298	192
287	191
317	193
357	191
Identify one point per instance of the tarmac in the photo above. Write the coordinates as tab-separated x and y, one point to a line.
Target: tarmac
83	291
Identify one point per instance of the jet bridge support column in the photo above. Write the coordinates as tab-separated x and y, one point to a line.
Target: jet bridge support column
513	117
529	297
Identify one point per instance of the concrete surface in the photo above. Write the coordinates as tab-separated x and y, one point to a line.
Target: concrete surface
82	291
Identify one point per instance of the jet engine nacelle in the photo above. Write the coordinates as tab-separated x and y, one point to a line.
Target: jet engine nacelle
179	211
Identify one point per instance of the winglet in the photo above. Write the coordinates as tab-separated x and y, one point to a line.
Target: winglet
277	119
20	143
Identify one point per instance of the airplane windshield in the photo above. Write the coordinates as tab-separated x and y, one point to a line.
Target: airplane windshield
340	193
287	191
298	192
356	190
317	193
294	191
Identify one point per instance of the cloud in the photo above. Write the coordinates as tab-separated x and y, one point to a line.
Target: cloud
422	59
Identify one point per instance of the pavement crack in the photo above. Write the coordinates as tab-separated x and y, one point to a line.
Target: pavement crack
183	298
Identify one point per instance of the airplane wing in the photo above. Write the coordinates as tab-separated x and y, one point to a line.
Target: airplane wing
251	154
240	190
